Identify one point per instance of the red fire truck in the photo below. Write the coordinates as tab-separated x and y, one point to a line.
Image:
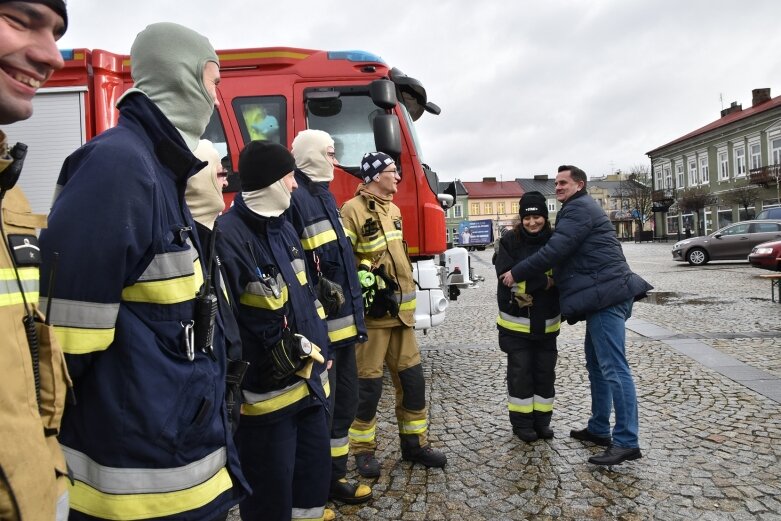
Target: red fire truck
272	94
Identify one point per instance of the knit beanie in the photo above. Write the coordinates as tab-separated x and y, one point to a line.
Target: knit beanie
533	203
167	62
203	193
58	6
372	164
262	163
310	150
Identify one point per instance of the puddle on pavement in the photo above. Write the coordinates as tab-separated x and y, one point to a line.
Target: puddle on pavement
673	298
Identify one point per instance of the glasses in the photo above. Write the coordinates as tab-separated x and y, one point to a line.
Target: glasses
332	155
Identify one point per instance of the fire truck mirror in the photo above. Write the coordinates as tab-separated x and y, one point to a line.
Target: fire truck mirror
387	134
383	93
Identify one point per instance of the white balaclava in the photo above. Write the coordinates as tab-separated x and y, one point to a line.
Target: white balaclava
271	201
310	149
167	63
204	194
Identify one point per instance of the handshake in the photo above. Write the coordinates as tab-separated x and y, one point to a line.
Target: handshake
379	292
292	354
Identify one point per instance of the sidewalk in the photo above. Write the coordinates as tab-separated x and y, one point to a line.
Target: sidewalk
707	365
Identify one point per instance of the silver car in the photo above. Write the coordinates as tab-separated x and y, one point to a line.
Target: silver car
733	242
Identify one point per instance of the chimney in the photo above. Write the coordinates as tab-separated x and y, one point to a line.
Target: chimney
734	107
489	179
759	96
541	177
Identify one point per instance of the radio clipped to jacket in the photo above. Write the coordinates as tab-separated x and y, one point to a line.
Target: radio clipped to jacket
206	307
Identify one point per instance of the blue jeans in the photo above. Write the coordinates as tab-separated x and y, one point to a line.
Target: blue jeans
609	375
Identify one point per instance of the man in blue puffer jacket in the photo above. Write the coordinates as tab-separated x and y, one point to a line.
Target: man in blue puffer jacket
596	285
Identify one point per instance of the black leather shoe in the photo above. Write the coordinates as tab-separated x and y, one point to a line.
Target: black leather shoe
615	455
367	464
425	456
527	435
344	491
544	432
586	435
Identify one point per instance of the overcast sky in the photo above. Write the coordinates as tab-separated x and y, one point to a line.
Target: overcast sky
523	85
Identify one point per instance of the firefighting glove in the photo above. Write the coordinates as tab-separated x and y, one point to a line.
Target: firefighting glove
523	299
330	295
368	283
385	297
289	354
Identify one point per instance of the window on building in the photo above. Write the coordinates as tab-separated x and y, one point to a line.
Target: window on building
500	208
516	208
679	175
458	211
756	158
740	161
474	209
775	147
693	173
551	206
658	178
723	166
668	177
704	170
488	208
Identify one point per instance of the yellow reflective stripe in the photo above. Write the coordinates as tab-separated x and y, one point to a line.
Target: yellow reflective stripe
340	447
408	303
263	301
310	243
320	309
81	341
358	435
273	401
522	405
170	291
301	276
413	427
341	334
9	286
88	500
543	404
520	287
523	325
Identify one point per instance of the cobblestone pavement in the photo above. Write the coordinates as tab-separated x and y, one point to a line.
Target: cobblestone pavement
711	442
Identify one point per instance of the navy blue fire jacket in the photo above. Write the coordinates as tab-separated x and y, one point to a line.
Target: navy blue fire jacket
147	436
267	273
314	215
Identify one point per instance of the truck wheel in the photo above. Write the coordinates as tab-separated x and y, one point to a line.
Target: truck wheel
697	256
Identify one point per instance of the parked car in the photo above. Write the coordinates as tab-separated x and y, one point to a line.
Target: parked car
769	213
733	242
766	256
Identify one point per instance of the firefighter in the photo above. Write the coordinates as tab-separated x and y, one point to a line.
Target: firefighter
33	481
204	199
283	434
147	436
373	224
528	324
315	217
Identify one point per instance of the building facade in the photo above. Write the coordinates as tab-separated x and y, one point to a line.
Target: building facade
457	213
738	153
494	200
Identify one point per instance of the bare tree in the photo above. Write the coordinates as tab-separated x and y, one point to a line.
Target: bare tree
636	189
743	195
694	200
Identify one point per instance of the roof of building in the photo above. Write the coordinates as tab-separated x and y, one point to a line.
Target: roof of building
724	121
460	189
546	187
487	189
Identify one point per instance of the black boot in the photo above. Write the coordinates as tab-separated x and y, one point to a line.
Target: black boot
426	456
542	425
346	492
526	434
367	464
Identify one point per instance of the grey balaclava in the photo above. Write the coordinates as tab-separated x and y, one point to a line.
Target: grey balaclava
167	62
310	149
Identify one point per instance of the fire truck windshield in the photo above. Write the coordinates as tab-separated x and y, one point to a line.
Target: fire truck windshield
350	126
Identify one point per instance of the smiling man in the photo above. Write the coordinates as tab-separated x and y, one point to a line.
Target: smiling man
33	482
